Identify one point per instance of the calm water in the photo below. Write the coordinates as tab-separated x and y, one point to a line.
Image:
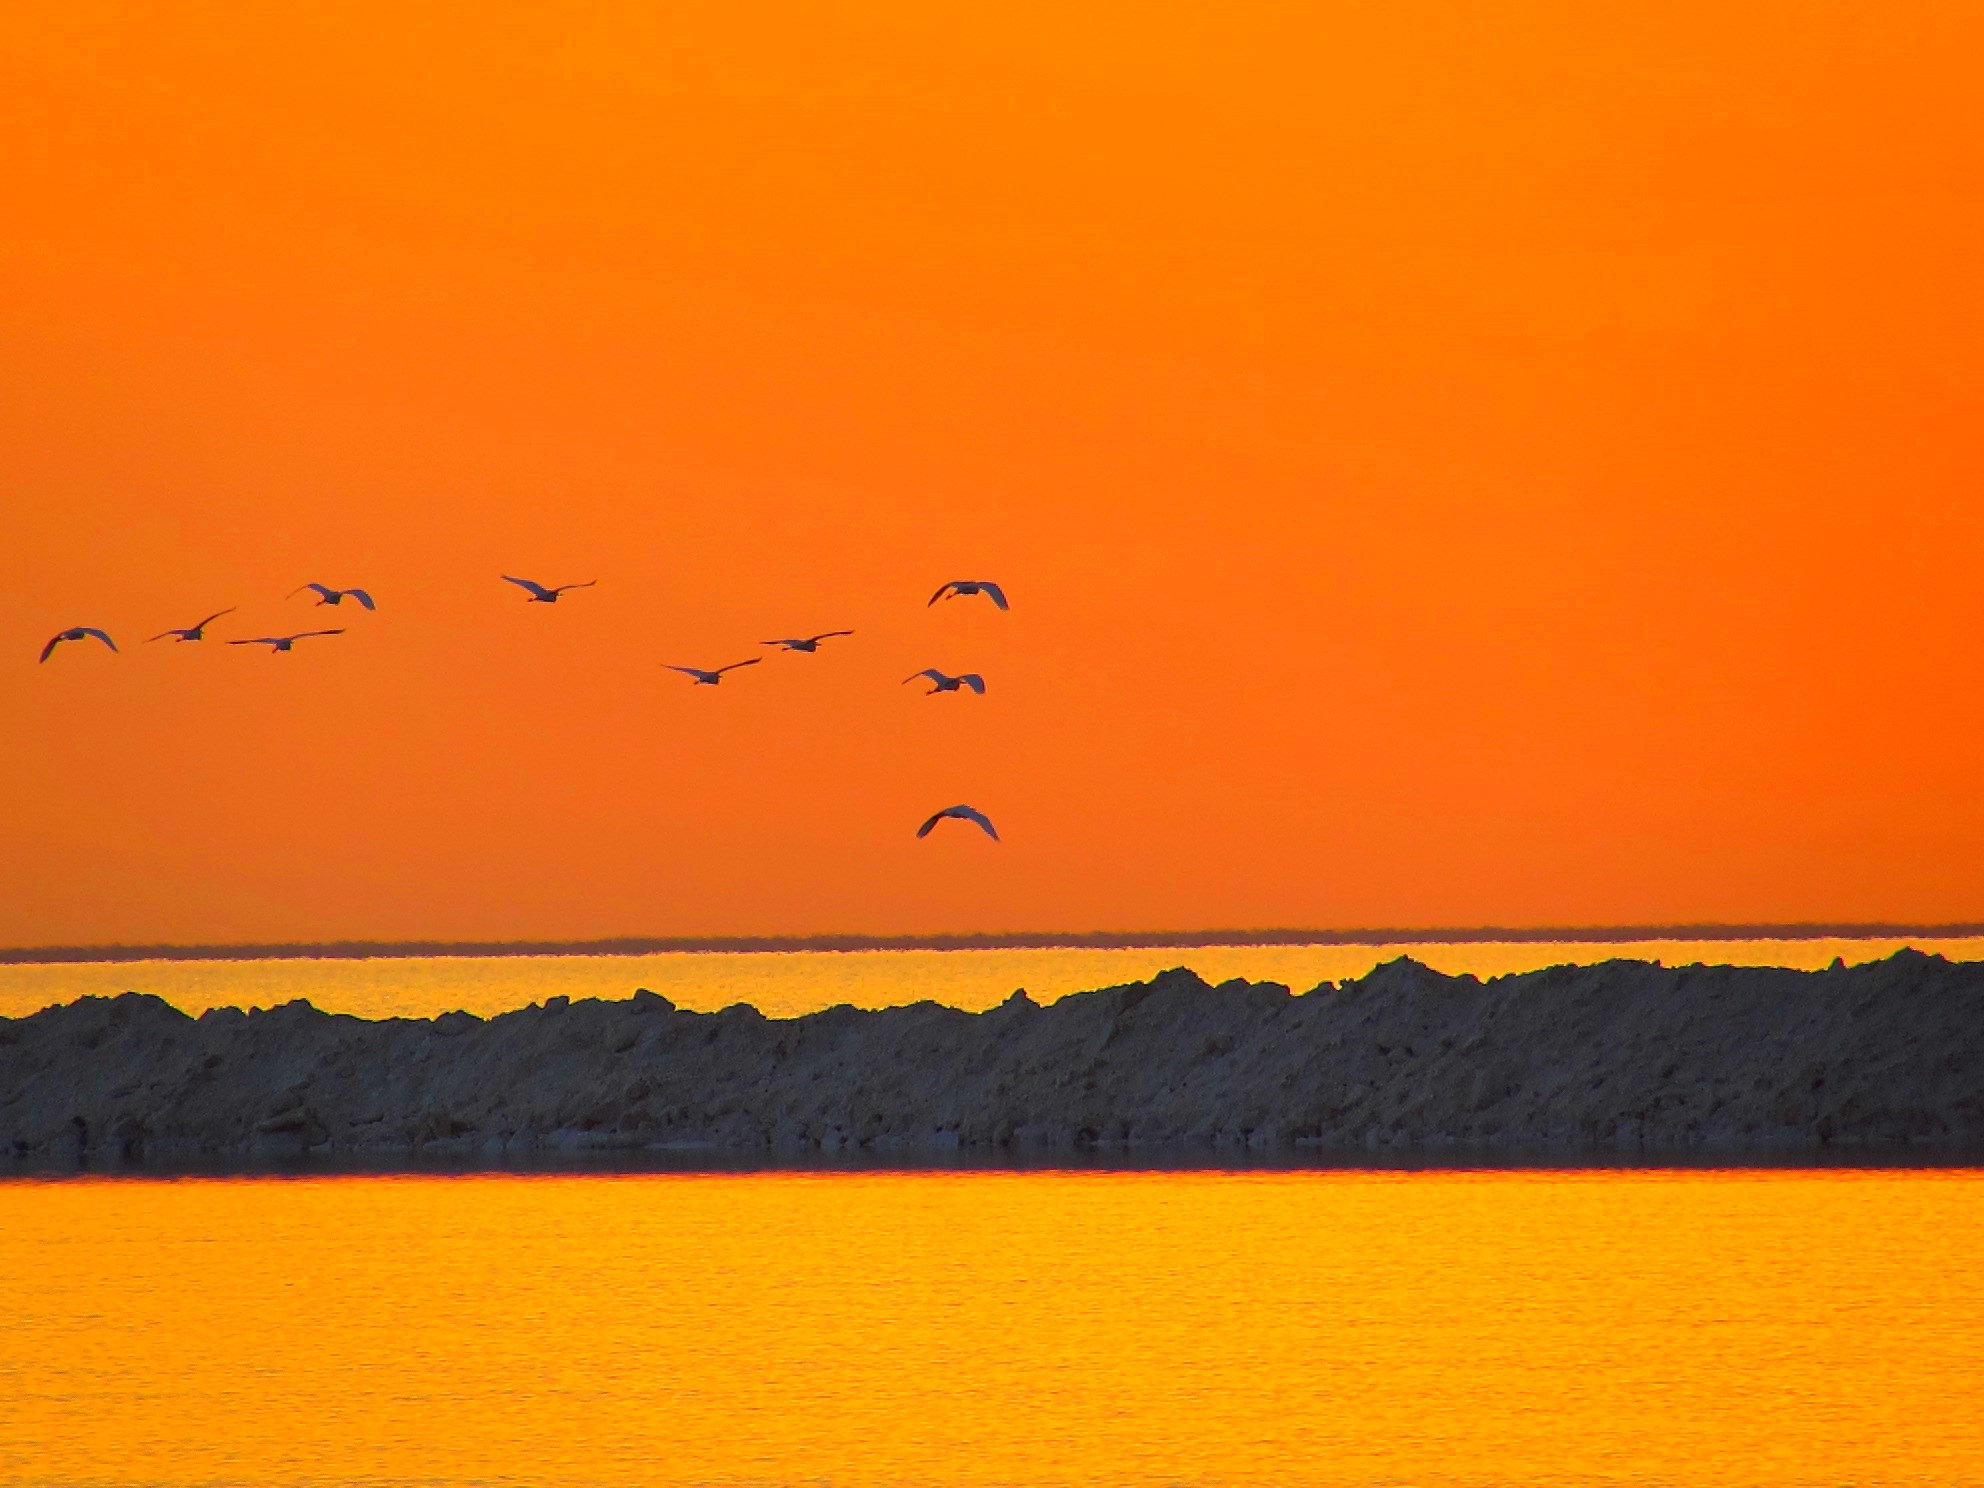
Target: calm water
1286	1328
784	984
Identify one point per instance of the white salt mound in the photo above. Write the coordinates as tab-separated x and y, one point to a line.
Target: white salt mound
1624	1056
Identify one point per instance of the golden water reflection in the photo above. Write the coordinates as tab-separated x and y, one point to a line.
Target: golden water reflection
787	983
1284	1328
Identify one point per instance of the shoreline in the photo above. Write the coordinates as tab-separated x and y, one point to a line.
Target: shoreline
714	1162
367	950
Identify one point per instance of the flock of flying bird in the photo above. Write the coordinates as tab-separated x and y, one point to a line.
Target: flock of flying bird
542	594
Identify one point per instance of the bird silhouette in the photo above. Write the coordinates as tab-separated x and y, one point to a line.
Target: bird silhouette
962	813
76	633
196	632
961	587
284	643
541	595
943	683
806	643
326	595
710	679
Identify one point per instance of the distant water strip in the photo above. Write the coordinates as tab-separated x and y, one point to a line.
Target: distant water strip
785	984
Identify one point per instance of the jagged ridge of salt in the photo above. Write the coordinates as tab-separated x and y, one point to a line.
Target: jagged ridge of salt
1615	1057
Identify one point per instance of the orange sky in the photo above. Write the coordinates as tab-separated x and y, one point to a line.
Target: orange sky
1452	463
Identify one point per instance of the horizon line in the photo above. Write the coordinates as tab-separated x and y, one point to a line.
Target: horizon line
366	950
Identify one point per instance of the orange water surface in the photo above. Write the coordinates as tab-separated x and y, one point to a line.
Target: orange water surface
1753	1328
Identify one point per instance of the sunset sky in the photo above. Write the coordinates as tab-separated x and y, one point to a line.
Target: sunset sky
1509	463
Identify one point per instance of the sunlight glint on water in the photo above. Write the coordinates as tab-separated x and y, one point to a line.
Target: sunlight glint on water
783	984
1694	1328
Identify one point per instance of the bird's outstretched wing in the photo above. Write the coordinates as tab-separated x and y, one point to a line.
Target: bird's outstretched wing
324	590
736	664
164	633
53	642
827	635
687	671
973	814
365	599
789	645
946	589
998	595
931	672
259	641
304	635
213	617
586	585
104	636
537	589
975	682
924	830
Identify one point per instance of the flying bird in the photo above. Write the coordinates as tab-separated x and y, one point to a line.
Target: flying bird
195	632
283	643
76	633
710	679
958	587
541	595
962	813
806	643
942	683
326	595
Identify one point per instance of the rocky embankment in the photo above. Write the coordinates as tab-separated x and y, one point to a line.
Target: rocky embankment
1620	1057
